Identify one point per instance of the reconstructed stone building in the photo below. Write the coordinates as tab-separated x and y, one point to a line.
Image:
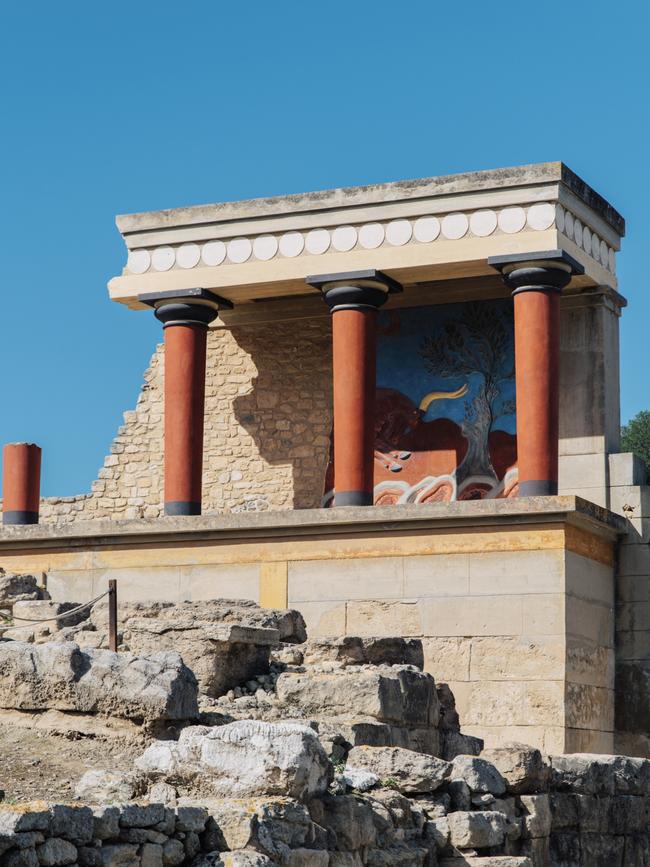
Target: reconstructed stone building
395	408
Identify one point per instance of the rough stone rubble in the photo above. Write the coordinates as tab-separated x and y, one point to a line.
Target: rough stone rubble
284	751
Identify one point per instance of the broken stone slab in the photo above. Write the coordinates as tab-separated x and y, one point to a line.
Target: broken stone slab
352	650
148	688
398	694
359	779
537	820
522	767
407	771
225	642
289	623
362	732
479	775
244	758
221	655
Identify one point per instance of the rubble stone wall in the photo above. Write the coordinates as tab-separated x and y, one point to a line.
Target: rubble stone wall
268	419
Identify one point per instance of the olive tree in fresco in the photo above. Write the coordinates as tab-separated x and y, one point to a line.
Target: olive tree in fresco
478	342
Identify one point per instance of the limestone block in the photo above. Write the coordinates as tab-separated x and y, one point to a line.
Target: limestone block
480	775
589	707
521	766
242	759
243	858
536	815
436	575
454	744
323	618
61	676
600	774
514	703
589	665
14	819
411	772
516	572
96	787
589	579
400	695
626	468
591	620
359	780
479	615
359	578
352	650
544	615
75	824
447	658
55	852
476	830
372	618
487	861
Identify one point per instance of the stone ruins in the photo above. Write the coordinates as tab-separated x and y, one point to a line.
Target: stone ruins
254	745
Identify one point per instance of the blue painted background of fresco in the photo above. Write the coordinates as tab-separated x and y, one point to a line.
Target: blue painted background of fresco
400	364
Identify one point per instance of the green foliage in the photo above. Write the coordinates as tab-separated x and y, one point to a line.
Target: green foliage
635	436
389	783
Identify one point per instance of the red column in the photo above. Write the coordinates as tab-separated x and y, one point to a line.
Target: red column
354	339
537	284
354	299
21	483
185	315
537	376
185	348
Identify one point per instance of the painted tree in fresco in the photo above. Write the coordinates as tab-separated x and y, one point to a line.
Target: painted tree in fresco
478	341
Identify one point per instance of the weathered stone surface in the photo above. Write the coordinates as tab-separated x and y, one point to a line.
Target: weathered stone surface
55	851
592	774
106	821
536	815
75	824
410	772
96	787
359	779
242	759
173	853
352	650
397	694
119	855
476	830
479	774
487	861
15	818
522	767
16	588
454	744
63	677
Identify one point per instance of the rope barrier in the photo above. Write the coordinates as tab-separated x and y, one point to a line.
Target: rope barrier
58	616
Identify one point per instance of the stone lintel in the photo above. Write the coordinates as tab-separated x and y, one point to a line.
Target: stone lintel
418	232
303	523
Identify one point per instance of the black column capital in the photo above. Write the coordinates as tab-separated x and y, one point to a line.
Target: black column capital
355	290
549	271
185	306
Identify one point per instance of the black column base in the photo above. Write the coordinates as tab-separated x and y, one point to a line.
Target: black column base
180	507
19	517
353	498
541	488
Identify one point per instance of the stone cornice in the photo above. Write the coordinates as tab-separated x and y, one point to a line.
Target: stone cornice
321	522
416	231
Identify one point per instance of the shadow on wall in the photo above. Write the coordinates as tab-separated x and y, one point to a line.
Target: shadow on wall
288	411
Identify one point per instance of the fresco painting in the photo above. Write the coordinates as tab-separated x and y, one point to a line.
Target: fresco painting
445	424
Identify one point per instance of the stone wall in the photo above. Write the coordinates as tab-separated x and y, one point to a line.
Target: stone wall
267	429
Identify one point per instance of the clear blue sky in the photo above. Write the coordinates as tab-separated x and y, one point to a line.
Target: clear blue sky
115	107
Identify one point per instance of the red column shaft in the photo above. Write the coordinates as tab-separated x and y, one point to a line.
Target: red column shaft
354	342
537	354
21	483
185	350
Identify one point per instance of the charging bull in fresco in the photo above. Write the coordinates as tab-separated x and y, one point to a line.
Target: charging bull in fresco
426	461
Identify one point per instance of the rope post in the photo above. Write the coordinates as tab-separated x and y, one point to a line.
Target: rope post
112	615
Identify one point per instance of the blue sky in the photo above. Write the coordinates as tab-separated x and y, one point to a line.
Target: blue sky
117	107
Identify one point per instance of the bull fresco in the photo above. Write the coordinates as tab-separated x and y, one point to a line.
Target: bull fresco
445	424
